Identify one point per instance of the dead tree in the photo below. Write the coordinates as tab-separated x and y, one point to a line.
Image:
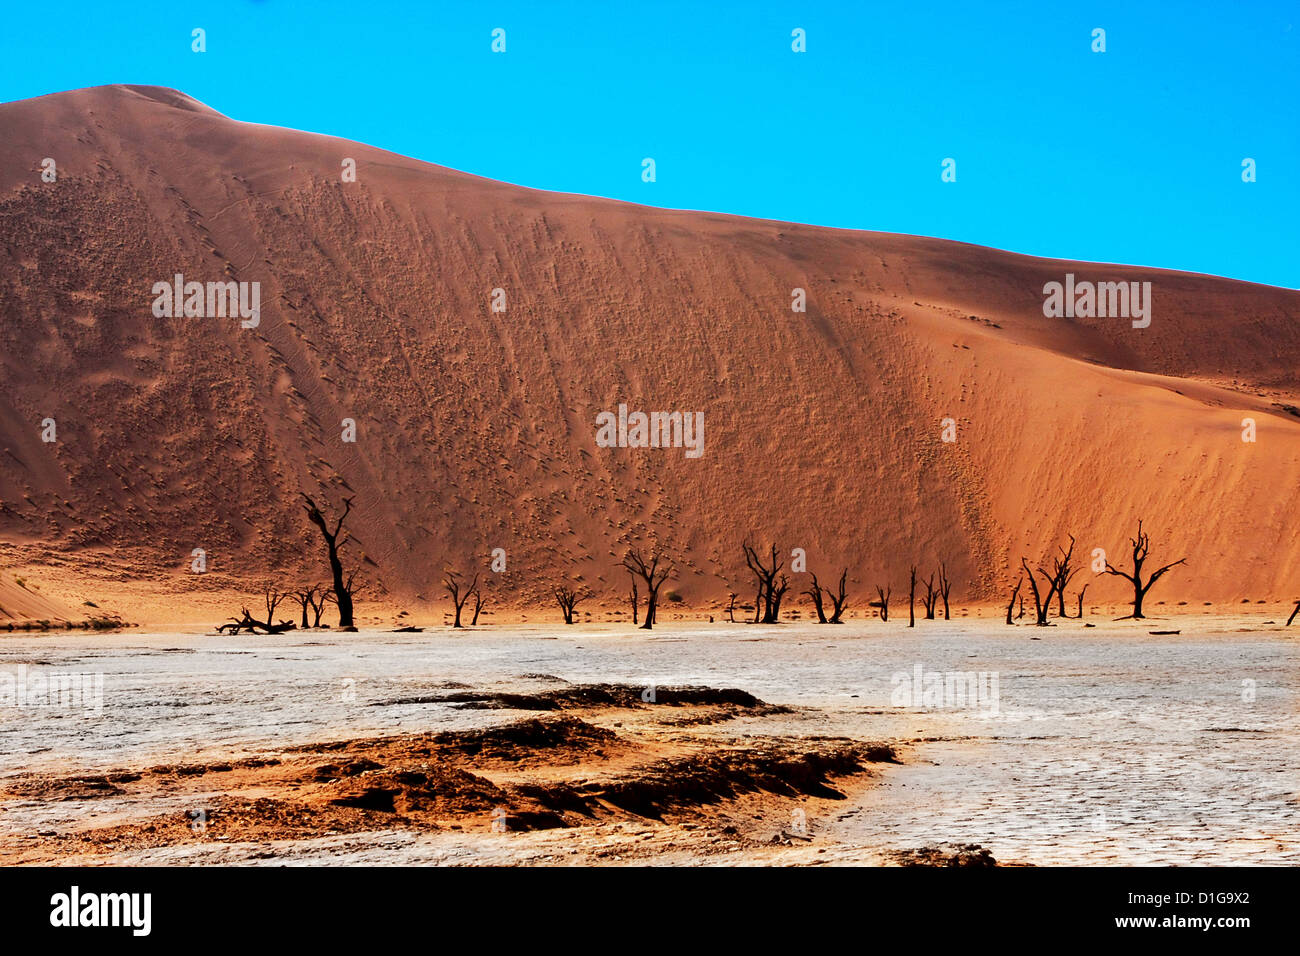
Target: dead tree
838	599
1082	591
247	622
1012	603
322	601
1141	548
273	598
306	597
883	603
653	575
568	599
1055	582
315	599
815	592
778	592
1061	575
451	582
636	602
1042	602
731	608
911	600
1050	593
931	598
1293	614
342	593
945	586
479	600
352	587
767	604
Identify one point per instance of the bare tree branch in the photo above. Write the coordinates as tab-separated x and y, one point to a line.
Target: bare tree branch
1141	550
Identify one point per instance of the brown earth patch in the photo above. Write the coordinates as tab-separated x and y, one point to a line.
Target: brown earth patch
555	771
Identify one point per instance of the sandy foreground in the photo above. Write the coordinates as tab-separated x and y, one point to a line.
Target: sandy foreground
724	744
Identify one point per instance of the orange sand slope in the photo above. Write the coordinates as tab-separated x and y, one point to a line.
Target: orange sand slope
476	430
23	606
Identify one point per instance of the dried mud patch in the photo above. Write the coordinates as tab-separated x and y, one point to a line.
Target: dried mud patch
970	854
542	772
68	788
606	696
708	777
552	740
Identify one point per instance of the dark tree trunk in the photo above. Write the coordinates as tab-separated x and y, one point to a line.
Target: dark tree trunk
318	606
778	593
931	599
768	601
945	586
451	582
653	576
839	599
911	600
815	592
1141	549
1062	575
342	594
568	599
247	622
1041	604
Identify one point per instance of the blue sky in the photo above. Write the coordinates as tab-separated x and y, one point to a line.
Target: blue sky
1132	155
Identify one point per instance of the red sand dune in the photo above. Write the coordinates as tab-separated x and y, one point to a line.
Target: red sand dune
477	430
21	606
